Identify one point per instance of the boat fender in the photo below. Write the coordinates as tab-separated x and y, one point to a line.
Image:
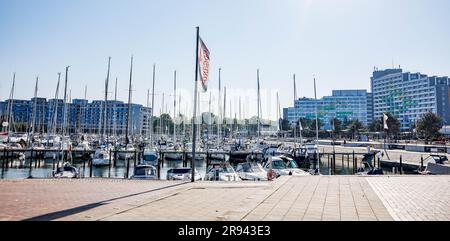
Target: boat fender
271	175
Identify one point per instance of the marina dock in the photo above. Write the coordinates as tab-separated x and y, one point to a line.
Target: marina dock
399	198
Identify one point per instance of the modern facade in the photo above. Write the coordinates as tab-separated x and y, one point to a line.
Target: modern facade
408	96
345	105
80	116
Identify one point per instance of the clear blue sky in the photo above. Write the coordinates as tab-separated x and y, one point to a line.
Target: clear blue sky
338	41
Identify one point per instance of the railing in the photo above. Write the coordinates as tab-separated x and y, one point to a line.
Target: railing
336	163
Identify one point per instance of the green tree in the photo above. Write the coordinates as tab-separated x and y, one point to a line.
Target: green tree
429	125
165	121
393	125
312	125
337	125
375	126
285	125
355	127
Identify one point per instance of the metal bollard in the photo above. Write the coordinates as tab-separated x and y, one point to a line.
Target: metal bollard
128	169
401	166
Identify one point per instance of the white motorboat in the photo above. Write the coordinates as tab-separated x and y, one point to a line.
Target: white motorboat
440	165
311	151
173	152
67	171
218	155
182	174
148	172
251	171
222	172
284	166
150	156
80	149
101	157
127	152
198	156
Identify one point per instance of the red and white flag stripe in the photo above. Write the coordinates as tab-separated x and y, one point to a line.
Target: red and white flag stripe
204	64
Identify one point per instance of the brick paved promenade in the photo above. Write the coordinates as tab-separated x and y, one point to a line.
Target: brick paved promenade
288	198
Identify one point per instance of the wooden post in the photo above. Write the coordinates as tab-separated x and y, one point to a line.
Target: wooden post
401	166
348	161
90	167
328	162
354	161
333	163
31	164
36	158
109	166
159	170
53	164
11	159
115	158
421	163
84	166
4	158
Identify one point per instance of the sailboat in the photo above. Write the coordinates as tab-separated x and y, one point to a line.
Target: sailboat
102	154
10	119
31	137
83	146
67	170
127	152
151	155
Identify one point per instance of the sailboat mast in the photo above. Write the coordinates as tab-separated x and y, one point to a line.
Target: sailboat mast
105	109
55	111
240	113
65	103
153	106
64	113
278	112
11	105
174	105
115	108
129	119
317	123
224	106
163	130
179	111
259	103
33	122
300	128
295	124
219	107
84	110
201	117
210	117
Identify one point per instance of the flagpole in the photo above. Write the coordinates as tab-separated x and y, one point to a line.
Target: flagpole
317	128
194	131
